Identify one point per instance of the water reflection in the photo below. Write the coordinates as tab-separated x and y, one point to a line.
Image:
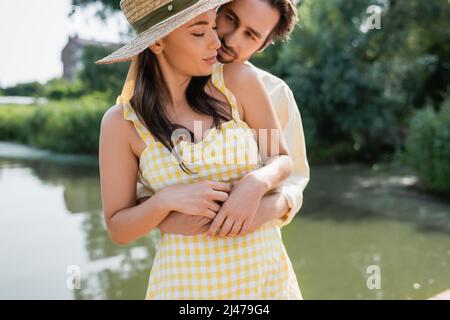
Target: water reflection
354	192
352	218
108	271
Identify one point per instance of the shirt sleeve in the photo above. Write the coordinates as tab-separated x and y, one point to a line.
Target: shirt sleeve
292	188
142	191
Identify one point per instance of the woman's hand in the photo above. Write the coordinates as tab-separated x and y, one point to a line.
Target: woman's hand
197	199
237	213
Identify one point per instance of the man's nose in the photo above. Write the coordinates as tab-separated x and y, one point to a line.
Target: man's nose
231	40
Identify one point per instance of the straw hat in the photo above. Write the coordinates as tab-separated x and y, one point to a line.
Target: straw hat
153	20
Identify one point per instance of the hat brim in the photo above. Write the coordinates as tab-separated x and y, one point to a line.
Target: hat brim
159	31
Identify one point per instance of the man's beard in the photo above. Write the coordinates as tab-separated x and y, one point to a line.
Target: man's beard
229	57
223	60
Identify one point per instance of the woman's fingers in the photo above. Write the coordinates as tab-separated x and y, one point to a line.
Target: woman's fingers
214	206
221	186
209	214
245	227
204	221
236	228
215	225
226	227
220	196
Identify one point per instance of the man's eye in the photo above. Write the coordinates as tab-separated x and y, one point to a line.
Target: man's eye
249	35
230	18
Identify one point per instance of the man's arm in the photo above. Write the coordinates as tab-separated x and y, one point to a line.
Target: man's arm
292	188
272	207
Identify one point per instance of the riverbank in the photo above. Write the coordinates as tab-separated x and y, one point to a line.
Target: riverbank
353	217
16	151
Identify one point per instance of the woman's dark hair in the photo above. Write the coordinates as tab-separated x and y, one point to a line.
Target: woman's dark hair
151	94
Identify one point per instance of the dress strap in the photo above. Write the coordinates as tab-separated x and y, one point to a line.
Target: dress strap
128	111
131	115
219	82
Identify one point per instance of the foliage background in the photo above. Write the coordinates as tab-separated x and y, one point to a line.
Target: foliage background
361	93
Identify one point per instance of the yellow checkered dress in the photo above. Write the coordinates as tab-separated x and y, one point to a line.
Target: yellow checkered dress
254	266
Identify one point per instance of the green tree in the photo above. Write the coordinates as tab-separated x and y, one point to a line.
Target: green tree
357	87
27	89
105	78
427	148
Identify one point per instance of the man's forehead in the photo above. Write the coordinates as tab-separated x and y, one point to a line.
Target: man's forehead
255	14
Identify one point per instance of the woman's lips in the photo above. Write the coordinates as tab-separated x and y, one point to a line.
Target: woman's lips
211	60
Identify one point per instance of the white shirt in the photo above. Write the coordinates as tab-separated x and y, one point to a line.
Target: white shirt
286	109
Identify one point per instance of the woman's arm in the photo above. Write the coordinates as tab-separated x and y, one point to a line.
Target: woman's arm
260	116
125	220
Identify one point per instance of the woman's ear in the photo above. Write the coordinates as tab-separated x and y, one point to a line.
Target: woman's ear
157	47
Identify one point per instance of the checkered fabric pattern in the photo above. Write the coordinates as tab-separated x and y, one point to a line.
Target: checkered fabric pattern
254	266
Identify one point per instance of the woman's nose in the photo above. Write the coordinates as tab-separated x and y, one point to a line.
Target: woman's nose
215	42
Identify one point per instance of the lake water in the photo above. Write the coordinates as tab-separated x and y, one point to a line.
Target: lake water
354	220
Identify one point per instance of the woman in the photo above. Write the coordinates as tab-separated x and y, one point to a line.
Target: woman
174	80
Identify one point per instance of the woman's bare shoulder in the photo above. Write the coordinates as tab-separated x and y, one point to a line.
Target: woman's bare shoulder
114	124
244	82
114	115
239	74
116	128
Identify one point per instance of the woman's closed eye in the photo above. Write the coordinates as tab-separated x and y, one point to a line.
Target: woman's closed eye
202	33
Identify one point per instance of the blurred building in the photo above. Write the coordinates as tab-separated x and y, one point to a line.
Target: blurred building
73	51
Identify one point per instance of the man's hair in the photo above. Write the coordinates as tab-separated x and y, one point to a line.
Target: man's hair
287	22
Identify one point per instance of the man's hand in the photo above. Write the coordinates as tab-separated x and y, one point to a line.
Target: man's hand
184	224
